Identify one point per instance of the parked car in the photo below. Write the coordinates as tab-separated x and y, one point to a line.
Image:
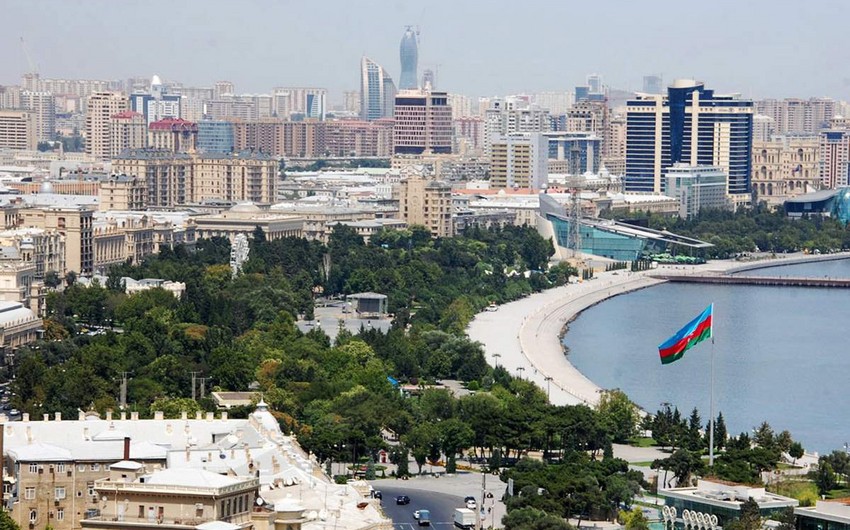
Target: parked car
377	494
402	499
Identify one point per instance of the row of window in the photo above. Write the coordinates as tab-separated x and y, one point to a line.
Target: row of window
61	467
59	492
59	514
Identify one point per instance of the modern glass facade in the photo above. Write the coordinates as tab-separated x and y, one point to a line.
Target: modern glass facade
215	136
377	91
409	55
581	151
691	125
599	242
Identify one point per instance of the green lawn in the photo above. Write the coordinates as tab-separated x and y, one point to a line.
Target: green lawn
642	442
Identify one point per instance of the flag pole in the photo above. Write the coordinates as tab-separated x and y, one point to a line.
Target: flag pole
711	406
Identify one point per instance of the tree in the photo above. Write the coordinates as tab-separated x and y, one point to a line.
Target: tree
52	279
529	518
421	439
787	519
720	433
749	518
634	519
824	476
6	521
174	407
694	435
682	464
796	451
619	414
455	436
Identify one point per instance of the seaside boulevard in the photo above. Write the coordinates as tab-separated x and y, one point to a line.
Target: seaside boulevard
525	336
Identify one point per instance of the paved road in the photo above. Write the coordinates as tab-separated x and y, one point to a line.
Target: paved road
441	506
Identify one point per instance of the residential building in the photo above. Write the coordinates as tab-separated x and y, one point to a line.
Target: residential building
351	101
174	179
409	55
215	137
221	88
696	188
292	102
173	134
43	108
191	108
764	127
17	130
127	130
468	134
513	115
122	192
377	91
555	102
423	123
426	202
461	106
834	154
798	116
157	104
691	125
10	97
785	167
99	111
265	136
519	160
75	224
357	138
591	116
43	248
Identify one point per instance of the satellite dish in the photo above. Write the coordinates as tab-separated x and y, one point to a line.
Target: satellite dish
259	501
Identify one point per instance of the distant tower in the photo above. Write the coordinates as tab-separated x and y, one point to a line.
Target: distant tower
409	58
377	91
429	80
653	84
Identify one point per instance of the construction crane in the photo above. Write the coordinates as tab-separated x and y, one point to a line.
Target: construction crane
33	69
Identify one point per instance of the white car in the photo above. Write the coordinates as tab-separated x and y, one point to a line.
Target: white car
470	504
416	515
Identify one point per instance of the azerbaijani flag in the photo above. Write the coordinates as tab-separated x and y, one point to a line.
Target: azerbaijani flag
696	331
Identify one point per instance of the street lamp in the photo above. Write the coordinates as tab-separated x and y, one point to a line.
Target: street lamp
496	357
521	369
548	380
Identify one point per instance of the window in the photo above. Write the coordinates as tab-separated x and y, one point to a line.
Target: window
33	516
95	467
60	467
60	514
90	486
33	468
59	492
81	467
29	493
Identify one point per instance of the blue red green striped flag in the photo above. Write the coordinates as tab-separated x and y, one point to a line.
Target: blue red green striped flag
694	332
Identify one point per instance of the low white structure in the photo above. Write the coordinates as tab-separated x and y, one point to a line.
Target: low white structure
132	286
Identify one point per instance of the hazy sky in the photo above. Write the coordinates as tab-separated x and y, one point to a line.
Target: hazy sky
761	48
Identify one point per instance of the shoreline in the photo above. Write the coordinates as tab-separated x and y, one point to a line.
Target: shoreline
526	336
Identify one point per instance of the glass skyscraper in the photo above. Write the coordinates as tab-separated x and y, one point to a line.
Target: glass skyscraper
215	136
690	125
409	55
377	91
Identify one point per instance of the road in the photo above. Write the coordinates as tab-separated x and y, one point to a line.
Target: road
441	506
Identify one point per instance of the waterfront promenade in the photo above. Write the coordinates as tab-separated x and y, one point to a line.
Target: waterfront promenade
525	336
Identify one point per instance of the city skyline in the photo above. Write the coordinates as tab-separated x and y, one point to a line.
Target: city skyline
736	49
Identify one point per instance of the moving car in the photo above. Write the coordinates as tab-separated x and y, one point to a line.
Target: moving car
470	502
402	499
424	518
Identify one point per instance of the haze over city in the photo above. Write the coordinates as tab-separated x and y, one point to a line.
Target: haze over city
762	48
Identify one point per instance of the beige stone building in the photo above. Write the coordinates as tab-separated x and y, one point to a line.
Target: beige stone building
176	498
174	179
74	224
43	248
319	220
173	134
244	218
120	192
784	168
100	108
426	202
127	130
17	130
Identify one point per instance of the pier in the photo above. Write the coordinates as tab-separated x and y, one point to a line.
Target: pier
772	281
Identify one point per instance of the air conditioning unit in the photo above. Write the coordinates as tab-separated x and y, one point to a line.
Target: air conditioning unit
199	506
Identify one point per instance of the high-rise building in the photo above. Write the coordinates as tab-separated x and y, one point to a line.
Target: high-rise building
351	101
764	127
409	55
429	79
469	131
43	108
423	123
175	135
461	106
519	160
784	167
653	84
222	88
17	130
834	151
577	152
99	111
127	130
306	102
594	84
513	115
690	125
10	97
377	91
357	138
157	104
425	202
191	108
590	116
798	116
215	136
555	102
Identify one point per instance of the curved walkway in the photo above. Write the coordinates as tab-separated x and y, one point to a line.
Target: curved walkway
525	336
